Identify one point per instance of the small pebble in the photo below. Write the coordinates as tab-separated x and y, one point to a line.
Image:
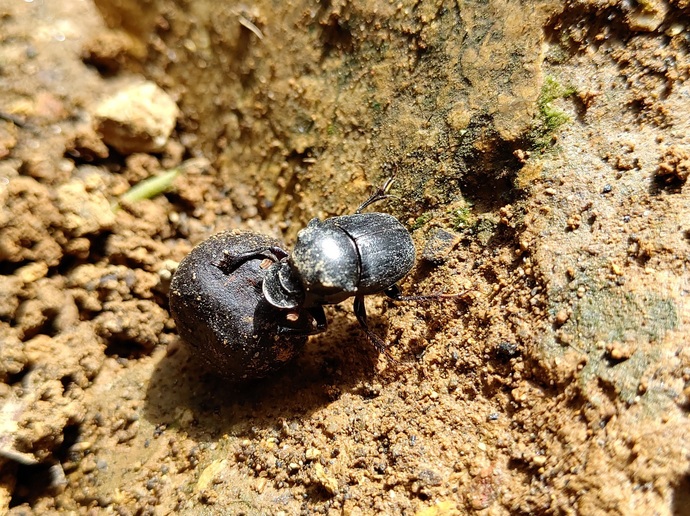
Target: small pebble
312	454
138	118
439	245
561	317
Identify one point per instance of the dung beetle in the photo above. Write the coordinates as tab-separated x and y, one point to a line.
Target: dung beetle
247	306
334	259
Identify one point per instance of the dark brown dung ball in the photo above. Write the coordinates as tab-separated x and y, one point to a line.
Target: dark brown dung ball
220	311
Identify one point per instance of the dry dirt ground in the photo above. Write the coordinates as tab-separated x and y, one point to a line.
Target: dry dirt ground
549	141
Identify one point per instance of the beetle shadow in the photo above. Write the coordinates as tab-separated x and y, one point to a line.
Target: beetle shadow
182	393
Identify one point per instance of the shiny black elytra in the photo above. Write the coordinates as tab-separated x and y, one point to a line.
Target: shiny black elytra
246	305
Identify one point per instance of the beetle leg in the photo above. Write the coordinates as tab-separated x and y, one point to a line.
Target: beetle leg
319	317
394	293
378	342
379	195
317	324
229	263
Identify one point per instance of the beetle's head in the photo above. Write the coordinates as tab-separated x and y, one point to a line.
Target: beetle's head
281	287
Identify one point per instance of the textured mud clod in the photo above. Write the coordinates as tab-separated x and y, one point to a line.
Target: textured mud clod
224	316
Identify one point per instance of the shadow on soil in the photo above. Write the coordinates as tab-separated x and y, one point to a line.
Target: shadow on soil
183	394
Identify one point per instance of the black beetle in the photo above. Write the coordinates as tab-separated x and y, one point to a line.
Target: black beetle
247	305
337	258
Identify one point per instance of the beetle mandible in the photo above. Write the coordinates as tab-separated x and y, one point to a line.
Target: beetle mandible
335	259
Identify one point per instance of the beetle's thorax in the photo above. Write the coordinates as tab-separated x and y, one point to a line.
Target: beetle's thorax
327	262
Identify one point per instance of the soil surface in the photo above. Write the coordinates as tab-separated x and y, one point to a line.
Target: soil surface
541	154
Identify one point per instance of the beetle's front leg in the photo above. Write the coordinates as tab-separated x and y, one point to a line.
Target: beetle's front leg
394	293
378	342
229	262
317	324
